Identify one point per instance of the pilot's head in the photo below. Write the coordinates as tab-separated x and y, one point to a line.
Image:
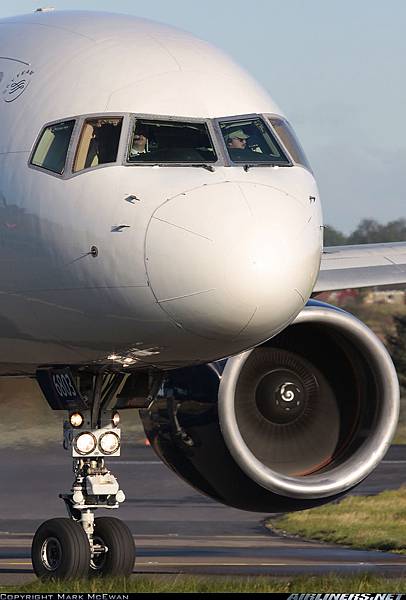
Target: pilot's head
140	139
237	139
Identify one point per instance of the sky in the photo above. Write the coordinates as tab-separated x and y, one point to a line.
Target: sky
335	67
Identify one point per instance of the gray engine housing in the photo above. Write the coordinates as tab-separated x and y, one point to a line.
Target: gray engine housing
289	425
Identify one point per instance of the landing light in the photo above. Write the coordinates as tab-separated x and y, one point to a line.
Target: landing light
76	419
109	442
85	443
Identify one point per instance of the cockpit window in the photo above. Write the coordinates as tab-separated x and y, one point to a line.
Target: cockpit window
155	142
284	130
98	142
52	147
250	141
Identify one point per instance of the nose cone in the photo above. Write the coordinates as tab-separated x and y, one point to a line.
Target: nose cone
232	260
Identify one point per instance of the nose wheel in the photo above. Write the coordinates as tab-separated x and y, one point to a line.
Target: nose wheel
114	550
60	550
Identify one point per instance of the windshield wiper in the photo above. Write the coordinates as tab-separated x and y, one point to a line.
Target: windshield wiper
204	166
260	164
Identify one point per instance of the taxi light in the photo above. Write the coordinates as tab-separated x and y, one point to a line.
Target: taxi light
76	419
115	419
109	442
85	443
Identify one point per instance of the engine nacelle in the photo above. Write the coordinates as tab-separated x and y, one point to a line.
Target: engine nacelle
285	426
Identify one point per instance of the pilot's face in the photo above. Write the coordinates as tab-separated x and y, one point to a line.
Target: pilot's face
237	142
139	142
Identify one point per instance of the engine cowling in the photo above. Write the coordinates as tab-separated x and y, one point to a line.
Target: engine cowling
288	425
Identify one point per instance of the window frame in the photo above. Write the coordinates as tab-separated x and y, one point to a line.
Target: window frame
152	117
127	128
252	116
268	117
68	152
68	172
81	123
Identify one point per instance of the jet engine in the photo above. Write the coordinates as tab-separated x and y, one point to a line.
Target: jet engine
288	425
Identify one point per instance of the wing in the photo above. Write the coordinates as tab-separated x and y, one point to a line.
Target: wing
365	265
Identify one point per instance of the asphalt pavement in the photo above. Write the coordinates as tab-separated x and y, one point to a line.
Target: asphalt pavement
177	530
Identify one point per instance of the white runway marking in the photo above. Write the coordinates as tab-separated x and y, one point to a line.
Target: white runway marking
135	462
239	564
159	462
251	565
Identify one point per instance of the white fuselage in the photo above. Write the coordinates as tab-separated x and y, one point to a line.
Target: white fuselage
209	263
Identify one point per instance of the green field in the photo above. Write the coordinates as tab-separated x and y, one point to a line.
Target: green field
371	522
182	584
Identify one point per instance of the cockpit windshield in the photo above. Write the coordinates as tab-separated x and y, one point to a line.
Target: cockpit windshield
156	141
287	135
250	141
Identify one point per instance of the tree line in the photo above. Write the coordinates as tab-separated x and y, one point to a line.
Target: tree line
397	350
368	231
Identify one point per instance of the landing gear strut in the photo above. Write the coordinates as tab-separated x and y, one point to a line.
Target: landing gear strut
83	545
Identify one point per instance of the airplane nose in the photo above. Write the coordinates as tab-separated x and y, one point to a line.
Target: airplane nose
232	260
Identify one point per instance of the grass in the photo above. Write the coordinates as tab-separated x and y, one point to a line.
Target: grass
371	522
186	584
400	436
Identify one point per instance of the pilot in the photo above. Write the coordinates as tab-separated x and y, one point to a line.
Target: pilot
140	141
240	151
237	139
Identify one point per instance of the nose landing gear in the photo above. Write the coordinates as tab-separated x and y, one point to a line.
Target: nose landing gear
82	545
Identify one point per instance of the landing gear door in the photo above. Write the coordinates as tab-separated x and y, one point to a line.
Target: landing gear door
59	389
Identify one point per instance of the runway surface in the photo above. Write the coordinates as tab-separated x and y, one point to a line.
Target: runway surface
177	530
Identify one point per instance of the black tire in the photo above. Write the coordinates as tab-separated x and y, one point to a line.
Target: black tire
60	550
120	556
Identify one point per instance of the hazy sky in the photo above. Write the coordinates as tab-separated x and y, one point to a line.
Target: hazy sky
336	67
